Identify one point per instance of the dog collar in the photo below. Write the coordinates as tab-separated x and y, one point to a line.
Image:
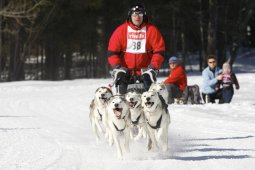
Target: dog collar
136	121
157	125
138	106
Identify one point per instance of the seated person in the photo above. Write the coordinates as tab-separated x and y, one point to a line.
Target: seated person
176	81
211	79
136	50
228	79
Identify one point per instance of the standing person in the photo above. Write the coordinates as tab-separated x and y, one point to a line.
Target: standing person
228	79
211	78
135	48
176	81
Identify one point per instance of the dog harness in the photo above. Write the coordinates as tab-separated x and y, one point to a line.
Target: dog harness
157	125
120	130
136	121
99	114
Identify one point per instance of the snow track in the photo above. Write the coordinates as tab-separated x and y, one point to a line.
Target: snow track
45	126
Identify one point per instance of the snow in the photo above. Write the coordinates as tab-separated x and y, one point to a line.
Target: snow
45	125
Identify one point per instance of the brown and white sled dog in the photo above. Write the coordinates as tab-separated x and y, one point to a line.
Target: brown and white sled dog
161	89
158	119
98	112
136	115
118	121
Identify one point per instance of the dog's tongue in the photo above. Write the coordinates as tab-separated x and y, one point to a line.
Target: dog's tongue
103	99
131	104
117	112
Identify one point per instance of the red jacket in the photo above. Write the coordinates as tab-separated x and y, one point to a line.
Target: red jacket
177	77
136	48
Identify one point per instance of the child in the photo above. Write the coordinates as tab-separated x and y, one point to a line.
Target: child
228	79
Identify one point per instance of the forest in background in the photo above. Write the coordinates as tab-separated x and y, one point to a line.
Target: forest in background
68	39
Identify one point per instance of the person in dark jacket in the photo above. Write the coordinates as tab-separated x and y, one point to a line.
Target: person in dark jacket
176	81
136	50
228	79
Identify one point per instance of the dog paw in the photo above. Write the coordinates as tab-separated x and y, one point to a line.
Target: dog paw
164	148
110	141
137	138
97	141
120	157
127	150
154	148
106	135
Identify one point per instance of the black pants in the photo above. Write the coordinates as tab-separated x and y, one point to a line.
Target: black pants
213	96
173	92
227	94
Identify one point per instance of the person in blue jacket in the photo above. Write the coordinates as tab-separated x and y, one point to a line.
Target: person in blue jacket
212	76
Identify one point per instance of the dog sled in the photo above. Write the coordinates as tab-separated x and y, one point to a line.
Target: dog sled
138	82
191	95
135	83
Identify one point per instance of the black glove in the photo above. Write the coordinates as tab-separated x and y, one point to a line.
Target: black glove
149	73
119	75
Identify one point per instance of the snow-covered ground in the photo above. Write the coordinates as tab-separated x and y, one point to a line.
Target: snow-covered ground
45	125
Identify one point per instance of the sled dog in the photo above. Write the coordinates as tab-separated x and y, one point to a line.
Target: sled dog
158	119
98	110
137	118
161	89
118	121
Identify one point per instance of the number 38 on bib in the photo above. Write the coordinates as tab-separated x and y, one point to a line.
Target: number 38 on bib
136	40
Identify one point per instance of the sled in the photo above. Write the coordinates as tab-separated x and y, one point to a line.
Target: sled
139	87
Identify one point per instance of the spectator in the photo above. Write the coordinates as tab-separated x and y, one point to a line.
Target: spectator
228	79
133	46
176	81
211	79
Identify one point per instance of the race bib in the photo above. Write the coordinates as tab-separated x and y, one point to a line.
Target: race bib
136	40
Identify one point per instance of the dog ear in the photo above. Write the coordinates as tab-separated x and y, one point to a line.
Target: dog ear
125	95
157	93
144	93
110	99
92	104
98	89
109	90
163	86
123	98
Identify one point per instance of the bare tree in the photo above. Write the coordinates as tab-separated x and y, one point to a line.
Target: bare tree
20	16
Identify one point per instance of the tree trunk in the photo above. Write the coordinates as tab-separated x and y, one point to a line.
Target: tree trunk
210	40
51	59
68	64
1	6
211	35
16	69
183	49
174	36
202	55
220	36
